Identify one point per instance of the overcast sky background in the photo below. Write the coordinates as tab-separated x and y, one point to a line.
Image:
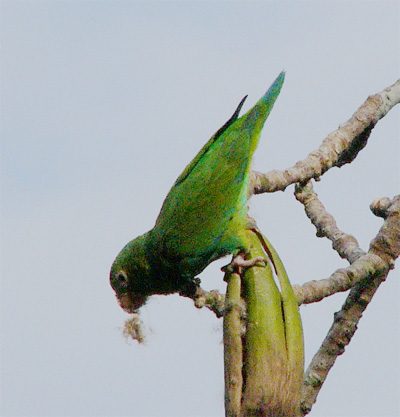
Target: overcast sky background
103	105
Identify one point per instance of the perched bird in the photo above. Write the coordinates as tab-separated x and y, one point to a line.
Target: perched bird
203	216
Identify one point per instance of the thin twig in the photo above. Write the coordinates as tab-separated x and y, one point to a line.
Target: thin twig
213	300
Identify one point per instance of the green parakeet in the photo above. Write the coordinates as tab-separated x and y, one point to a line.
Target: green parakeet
203	216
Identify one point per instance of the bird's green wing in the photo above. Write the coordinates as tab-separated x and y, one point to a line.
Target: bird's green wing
203	216
207	146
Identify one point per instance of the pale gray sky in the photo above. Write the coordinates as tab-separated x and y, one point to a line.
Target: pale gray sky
103	105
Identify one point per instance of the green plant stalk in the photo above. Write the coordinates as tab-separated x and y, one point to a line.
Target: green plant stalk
273	343
292	318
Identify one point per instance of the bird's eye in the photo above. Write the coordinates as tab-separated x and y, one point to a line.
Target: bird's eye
122	279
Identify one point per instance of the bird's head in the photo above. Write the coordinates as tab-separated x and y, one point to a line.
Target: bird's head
130	276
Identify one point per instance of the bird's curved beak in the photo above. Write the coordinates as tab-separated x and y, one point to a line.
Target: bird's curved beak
131	302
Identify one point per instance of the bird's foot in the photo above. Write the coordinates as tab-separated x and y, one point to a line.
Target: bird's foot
239	263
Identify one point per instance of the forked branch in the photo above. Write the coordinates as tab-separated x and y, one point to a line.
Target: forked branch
384	249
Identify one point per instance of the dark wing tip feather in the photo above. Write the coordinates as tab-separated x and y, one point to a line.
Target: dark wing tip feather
234	117
239	107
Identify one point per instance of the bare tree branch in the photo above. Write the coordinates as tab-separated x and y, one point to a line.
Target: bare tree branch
341	280
386	247
338	148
